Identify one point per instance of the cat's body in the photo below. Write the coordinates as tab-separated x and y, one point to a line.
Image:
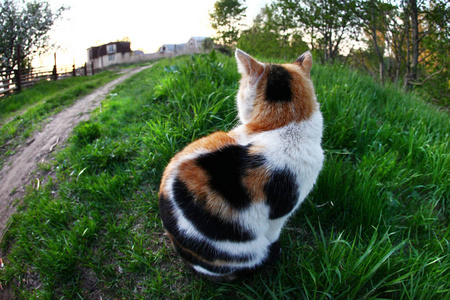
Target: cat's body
225	198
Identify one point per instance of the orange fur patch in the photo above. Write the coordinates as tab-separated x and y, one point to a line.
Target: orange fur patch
195	178
269	116
212	142
254	182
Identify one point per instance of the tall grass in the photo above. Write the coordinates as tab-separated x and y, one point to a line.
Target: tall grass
375	226
21	114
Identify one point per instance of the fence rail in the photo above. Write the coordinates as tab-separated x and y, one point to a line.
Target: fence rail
11	82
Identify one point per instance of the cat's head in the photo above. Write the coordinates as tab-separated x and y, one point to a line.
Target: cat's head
273	95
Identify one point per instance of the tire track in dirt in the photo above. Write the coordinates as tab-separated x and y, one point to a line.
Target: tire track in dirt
17	170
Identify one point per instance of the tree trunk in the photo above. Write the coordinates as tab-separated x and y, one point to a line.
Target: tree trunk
406	84
382	71
397	68
377	47
19	69
414	38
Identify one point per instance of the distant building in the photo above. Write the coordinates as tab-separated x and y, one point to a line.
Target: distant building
172	48
109	54
195	43
120	52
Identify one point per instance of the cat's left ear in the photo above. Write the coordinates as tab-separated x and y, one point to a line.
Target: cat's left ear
249	66
305	60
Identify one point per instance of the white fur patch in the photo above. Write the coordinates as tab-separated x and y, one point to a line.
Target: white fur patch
203	271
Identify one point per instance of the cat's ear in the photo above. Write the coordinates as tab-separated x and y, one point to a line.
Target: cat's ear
249	66
305	60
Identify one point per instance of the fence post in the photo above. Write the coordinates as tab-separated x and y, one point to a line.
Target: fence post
55	71
19	69
92	67
85	69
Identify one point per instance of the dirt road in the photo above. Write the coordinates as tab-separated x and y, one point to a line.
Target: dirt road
17	171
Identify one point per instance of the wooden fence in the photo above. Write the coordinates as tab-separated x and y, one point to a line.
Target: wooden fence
11	82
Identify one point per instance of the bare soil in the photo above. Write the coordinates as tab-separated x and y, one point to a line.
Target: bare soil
18	170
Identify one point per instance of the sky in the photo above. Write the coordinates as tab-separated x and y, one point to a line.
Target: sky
147	23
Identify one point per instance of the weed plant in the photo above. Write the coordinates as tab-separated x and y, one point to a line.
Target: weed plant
375	226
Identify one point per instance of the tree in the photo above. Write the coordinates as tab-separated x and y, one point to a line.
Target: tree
207	44
262	38
225	19
431	71
374	16
415	36
327	22
426	26
271	35
25	26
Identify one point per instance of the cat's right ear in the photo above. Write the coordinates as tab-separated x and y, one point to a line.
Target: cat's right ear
249	66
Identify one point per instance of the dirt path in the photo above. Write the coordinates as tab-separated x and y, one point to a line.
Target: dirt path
17	171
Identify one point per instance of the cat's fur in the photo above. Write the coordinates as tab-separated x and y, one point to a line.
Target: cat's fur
225	198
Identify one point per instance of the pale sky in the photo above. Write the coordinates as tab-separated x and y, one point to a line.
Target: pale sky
147	23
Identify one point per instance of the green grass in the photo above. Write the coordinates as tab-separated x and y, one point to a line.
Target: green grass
375	226
21	114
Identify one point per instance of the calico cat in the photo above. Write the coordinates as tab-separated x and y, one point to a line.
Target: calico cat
224	198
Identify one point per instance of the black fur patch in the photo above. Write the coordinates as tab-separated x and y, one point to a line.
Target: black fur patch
195	261
226	169
201	247
278	87
282	193
209	225
271	258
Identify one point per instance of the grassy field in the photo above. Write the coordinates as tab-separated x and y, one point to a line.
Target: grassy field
375	226
21	114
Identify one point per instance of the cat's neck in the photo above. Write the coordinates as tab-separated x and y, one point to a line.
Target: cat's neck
293	132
